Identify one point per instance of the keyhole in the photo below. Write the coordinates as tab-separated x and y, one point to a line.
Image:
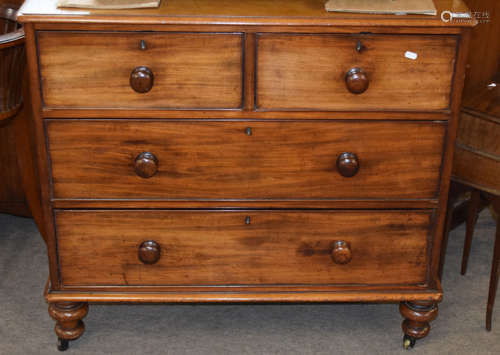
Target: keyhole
359	47
247	220
248	131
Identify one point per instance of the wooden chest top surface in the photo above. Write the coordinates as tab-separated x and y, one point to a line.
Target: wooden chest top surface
288	12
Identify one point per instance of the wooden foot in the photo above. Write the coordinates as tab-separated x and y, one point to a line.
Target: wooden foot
69	324
472	214
417	316
495	268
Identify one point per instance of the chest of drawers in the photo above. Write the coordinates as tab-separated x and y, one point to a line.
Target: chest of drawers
243	152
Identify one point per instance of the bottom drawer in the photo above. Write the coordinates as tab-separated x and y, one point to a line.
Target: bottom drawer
242	248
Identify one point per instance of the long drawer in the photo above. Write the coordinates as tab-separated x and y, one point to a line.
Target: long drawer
247	247
354	72
126	159
141	70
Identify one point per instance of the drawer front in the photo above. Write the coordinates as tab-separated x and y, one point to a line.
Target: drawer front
187	70
246	248
485	173
308	72
103	159
479	134
478	146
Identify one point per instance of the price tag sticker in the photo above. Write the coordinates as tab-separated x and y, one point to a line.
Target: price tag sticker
411	55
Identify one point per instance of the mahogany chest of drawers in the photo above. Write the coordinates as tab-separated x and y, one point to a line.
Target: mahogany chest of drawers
243	152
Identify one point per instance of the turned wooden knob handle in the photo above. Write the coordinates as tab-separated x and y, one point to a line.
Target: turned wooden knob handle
356	81
146	165
149	252
141	79
341	252
348	164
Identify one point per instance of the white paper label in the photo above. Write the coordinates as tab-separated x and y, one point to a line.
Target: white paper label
411	55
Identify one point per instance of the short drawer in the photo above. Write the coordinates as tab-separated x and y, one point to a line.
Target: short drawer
141	70
120	159
242	248
354	72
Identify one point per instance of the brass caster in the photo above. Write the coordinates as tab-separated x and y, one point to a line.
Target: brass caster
408	342
62	344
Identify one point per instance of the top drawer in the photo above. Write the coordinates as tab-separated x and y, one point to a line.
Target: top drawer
309	72
182	70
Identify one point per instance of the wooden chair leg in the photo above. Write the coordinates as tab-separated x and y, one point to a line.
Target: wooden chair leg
472	213
446	233
495	272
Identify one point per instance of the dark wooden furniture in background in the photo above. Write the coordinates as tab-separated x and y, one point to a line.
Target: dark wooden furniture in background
476	166
19	181
12	110
247	151
484	55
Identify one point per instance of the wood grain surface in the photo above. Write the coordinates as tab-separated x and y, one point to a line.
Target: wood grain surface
223	248
282	174
479	133
483	62
19	183
485	100
477	157
221	160
485	174
92	70
220	12
12	196
276	295
307	72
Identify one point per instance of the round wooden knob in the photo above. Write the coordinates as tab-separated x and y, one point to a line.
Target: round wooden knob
341	252
141	79
348	164
356	81
146	165
149	252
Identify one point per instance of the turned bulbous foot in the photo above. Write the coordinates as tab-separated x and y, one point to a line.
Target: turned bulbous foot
417	316
69	324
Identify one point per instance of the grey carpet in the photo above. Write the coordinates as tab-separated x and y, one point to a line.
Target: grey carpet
25	327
